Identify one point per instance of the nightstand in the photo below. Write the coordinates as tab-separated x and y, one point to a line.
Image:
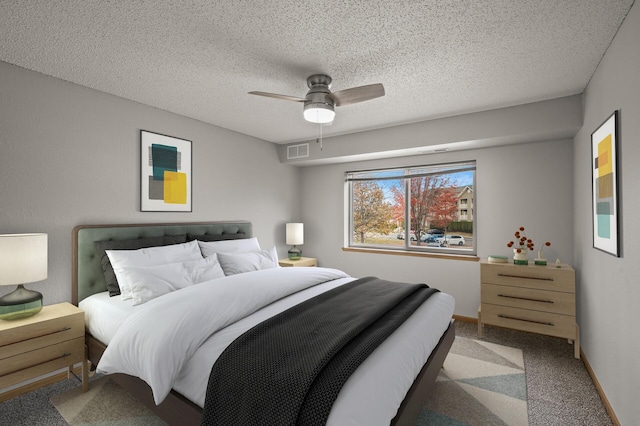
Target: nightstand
48	341
304	261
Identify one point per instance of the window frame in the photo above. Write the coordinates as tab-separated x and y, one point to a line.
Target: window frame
407	248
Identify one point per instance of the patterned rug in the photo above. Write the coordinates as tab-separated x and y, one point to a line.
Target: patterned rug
105	404
481	384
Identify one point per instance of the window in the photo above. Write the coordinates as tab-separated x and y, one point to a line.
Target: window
379	215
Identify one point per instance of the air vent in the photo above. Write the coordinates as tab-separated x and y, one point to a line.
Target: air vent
297	151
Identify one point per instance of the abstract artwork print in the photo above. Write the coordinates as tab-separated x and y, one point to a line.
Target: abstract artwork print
165	183
604	143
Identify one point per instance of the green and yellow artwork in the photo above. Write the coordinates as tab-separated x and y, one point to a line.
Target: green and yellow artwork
165	173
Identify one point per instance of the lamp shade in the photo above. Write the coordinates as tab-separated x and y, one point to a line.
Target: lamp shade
23	258
295	233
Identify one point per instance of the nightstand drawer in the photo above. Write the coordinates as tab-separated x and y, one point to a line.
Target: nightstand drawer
41	334
527	298
527	320
19	368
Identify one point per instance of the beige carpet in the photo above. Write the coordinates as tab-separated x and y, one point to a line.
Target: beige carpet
105	404
481	384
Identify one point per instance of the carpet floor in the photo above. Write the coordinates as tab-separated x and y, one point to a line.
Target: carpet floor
559	390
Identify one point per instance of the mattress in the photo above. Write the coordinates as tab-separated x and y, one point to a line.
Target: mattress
365	398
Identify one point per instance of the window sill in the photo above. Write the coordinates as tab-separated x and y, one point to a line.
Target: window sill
469	258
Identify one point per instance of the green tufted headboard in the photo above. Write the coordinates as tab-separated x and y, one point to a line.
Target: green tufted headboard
87	276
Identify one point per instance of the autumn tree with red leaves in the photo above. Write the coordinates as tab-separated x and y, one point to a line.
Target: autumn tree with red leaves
433	202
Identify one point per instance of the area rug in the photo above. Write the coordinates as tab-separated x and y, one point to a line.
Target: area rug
481	383
105	404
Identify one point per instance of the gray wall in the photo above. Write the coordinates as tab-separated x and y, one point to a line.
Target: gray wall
71	155
526	185
608	290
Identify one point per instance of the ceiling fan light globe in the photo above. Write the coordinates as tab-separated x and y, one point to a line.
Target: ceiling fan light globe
319	113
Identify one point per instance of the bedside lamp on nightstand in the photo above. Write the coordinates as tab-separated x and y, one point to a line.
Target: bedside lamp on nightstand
23	259
295	236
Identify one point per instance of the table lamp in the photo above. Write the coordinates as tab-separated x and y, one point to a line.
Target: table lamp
23	259
295	236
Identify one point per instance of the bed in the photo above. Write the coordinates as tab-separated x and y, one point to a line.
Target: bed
183	405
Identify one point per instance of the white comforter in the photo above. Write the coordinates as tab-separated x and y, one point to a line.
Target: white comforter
158	339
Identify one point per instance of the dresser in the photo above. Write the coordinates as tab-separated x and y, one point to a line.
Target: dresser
533	298
48	341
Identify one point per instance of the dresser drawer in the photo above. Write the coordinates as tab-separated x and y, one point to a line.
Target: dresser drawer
528	320
527	298
25	366
531	276
41	334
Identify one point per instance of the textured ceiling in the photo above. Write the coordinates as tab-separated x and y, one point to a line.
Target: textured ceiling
199	58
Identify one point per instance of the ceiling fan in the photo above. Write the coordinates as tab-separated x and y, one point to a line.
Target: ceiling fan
320	102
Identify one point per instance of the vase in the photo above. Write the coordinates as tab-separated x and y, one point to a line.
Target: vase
520	258
540	260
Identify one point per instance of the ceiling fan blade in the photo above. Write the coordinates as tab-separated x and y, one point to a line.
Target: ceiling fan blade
357	94
276	96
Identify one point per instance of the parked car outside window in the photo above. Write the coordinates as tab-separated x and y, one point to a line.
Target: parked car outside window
412	236
451	240
428	238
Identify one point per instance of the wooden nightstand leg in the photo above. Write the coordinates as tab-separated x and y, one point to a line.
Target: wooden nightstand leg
85	371
576	344
479	321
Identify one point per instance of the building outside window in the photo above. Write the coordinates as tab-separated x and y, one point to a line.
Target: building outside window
418	208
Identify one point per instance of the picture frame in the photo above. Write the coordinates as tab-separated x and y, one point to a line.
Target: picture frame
604	173
165	173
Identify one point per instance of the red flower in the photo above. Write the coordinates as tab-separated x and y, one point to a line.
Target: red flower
522	242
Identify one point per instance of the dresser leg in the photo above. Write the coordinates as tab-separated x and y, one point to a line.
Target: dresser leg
576	344
479	321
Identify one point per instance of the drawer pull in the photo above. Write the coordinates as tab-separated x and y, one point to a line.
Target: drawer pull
525	320
53	359
526	298
527	278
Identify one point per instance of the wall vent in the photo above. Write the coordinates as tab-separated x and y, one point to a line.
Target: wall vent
297	151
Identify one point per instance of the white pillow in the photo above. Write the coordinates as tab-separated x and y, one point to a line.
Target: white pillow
238	263
149	282
229	246
149	257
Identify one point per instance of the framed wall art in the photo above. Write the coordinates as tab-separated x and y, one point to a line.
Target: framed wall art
604	170
165	173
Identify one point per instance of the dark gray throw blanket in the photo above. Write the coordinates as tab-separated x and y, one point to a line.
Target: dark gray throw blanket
290	368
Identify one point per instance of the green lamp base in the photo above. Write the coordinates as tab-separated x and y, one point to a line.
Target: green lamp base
19	304
294	253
